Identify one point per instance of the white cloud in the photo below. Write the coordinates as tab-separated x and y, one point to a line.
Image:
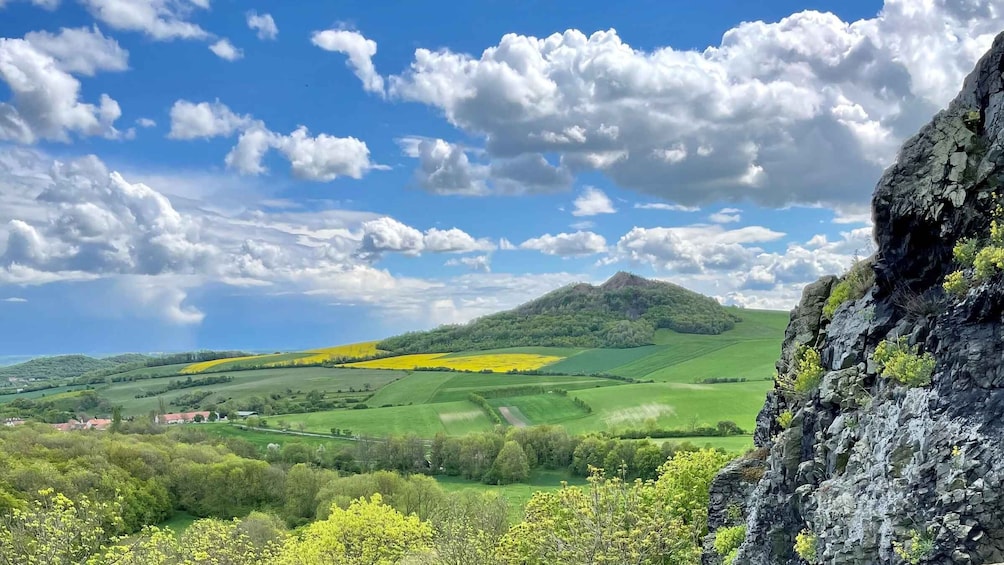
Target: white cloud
567	244
324	157
160	19
446	168
805	110
583	225
146	123
359	50
480	263
226	50
726	216
246	157
386	234
506	245
664	206
800	264
204	120
693	249
45	99
81	50
454	240
15	300
263	24
47	4
592	202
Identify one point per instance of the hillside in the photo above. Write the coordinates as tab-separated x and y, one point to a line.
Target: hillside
623	312
59	367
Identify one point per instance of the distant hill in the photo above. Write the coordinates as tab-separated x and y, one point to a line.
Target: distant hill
127	358
623	312
61	366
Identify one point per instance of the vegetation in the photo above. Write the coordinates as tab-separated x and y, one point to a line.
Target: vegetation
915	549
902	363
852	286
61	367
784	419
805	375
498	363
623	312
132	482
979	259
806	546
727	542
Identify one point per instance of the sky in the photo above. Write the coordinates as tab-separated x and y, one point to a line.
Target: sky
265	175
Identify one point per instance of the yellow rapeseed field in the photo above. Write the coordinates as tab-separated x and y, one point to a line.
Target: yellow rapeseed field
206	365
497	363
350	351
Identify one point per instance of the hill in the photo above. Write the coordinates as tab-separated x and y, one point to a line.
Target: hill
59	367
623	312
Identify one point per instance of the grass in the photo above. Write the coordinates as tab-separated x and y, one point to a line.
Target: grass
254	383
669	406
498	362
178	523
752	360
731	444
542	408
261	439
425	420
463	384
591	361
517	495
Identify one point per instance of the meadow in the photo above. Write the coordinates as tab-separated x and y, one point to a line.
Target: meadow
424	420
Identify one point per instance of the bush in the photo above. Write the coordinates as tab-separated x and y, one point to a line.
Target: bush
914	550
956	284
964	251
853	286
806	544
785	418
988	262
808	371
901	363
727	541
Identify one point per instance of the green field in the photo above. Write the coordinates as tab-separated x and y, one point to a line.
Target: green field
261	439
517	495
252	383
731	444
425	420
542	408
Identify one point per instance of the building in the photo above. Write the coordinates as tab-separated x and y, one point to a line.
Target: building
184	417
92	424
11	422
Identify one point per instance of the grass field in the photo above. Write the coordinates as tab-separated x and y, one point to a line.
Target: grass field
261	439
425	420
517	495
542	408
178	523
253	383
731	444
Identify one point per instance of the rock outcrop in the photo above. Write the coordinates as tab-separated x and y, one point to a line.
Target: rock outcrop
871	470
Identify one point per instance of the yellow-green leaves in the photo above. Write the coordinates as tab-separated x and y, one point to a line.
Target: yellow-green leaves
806	546
900	362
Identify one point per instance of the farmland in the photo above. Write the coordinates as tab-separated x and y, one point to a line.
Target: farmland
475	361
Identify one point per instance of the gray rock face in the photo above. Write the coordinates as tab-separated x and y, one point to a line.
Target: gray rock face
867	463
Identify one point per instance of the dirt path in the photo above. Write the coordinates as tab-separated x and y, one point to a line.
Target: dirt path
511	417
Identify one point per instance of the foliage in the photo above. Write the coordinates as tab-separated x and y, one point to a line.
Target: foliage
965	251
956	284
728	539
852	286
60	367
900	362
468	526
510	465
915	549
54	530
805	375
368	532
806	546
785	418
980	258
580	316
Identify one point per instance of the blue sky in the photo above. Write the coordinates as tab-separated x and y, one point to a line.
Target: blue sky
180	174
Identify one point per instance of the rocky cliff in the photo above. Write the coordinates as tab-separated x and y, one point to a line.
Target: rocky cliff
870	469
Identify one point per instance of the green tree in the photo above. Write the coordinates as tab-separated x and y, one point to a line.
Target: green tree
510	465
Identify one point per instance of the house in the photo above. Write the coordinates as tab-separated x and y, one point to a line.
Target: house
184	417
11	422
246	413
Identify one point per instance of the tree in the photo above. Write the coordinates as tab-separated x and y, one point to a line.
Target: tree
116	419
198	419
468	528
53	529
510	466
213	416
368	532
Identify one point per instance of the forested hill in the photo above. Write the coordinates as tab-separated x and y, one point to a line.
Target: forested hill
625	311
61	366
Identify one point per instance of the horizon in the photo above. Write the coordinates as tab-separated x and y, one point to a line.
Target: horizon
204	177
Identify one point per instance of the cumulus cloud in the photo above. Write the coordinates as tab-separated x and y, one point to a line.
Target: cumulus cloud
81	50
162	20
694	249
264	25
80	221
319	158
567	244
592	202
190	120
226	50
808	109
45	98
146	123
389	235
801	263
358	49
